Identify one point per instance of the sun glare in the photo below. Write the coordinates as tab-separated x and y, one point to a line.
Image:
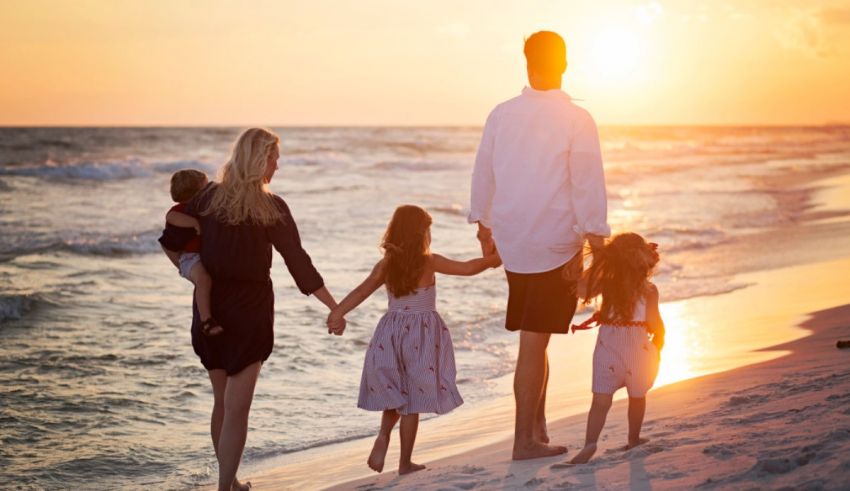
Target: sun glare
616	53
681	346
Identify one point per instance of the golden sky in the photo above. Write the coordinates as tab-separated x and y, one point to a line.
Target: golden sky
405	62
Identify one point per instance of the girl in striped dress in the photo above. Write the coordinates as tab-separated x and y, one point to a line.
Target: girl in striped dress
409	367
631	333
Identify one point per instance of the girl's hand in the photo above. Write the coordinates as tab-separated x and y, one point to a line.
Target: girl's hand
336	324
658	341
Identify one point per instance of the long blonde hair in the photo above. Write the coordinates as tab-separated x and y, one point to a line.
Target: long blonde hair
242	195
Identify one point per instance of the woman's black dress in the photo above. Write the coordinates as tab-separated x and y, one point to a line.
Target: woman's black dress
239	258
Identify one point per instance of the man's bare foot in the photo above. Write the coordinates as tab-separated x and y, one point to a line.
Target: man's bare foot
407	469
537	450
379	452
238	486
632	445
541	434
585	454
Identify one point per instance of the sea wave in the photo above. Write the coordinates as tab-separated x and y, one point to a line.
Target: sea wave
87	245
102	171
15	306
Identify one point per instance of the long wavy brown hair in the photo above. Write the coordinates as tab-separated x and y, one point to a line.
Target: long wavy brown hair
405	246
618	272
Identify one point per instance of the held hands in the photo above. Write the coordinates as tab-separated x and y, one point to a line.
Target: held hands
336	323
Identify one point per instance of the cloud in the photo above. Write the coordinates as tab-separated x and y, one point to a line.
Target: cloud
806	31
835	16
649	13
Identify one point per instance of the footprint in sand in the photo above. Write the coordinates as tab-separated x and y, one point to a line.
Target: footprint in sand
471	469
720	451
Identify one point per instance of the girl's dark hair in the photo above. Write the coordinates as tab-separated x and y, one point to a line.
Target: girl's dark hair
406	249
618	272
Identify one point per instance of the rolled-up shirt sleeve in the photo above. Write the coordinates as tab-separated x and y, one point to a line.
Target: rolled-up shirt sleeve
286	240
483	179
587	179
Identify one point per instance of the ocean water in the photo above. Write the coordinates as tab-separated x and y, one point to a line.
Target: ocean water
97	374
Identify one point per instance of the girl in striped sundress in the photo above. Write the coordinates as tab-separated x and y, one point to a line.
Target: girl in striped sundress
631	333
409	367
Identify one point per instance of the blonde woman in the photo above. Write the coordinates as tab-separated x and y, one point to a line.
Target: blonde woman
241	221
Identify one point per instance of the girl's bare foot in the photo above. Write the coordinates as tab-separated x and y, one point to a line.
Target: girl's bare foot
537	450
238	486
585	454
379	452
632	445
407	469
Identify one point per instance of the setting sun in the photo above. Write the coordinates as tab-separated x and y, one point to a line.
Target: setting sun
616	54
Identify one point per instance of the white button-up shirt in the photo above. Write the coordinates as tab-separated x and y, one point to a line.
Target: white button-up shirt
538	180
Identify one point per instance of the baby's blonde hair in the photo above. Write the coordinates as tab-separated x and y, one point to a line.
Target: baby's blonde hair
242	195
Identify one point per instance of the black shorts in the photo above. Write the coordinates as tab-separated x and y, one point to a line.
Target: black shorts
541	302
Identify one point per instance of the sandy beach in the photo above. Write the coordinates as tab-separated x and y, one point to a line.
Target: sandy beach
780	419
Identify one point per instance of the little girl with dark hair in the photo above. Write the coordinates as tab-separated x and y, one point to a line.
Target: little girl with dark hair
631	333
409	367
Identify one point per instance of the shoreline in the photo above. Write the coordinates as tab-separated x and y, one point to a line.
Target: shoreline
441	441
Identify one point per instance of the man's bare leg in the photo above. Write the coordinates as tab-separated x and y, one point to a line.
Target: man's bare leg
528	387
541	432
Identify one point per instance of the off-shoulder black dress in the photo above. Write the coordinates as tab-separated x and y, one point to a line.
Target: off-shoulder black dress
239	258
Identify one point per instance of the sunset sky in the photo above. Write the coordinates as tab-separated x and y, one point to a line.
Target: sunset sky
404	62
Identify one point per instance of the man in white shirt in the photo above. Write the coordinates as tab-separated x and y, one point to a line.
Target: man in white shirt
538	192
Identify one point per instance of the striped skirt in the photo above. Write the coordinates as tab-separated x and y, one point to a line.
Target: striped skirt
410	365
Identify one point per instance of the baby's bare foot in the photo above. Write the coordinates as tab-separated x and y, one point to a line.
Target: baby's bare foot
379	452
407	469
632	445
585	454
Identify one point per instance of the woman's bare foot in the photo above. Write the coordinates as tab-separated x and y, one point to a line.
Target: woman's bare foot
585	454
632	445
238	486
379	453
537	450
407	469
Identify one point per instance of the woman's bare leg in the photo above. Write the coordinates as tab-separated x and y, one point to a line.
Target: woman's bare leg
219	382
382	442
407	431
238	395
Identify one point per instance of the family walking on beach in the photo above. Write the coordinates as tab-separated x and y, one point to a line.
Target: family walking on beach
538	196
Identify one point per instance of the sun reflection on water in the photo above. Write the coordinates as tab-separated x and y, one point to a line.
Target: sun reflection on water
683	345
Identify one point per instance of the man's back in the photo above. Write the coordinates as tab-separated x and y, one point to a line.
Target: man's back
538	180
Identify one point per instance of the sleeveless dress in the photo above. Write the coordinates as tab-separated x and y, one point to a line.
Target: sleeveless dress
410	363
625	357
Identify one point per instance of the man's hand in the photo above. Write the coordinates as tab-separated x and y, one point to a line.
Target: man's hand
485	238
